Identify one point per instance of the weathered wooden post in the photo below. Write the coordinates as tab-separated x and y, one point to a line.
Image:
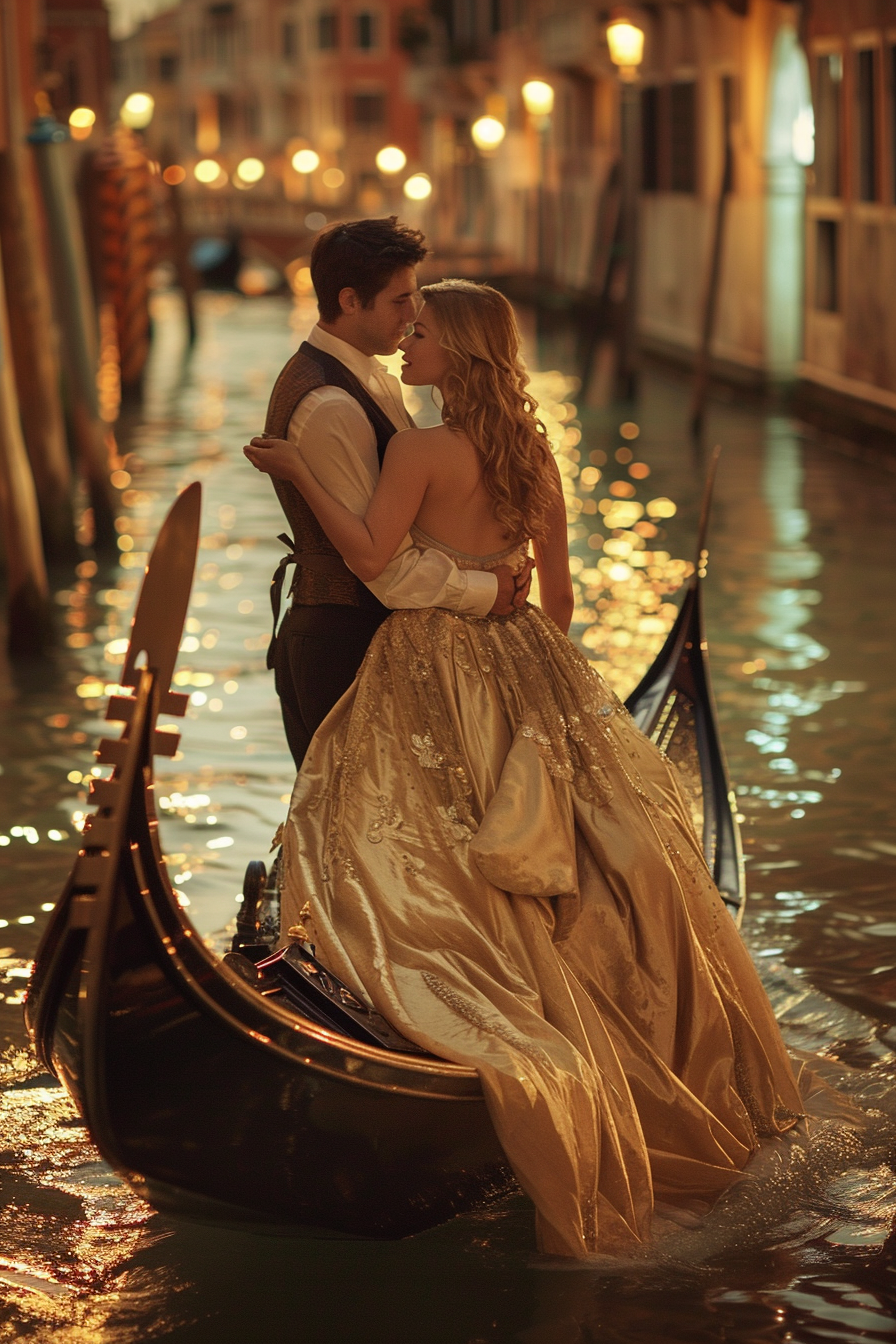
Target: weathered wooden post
714	272
123	219
34	337
77	318
28	630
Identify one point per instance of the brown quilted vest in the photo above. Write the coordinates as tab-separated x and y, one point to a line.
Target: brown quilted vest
321	576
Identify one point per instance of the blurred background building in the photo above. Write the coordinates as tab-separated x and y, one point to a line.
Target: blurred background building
711	182
286	113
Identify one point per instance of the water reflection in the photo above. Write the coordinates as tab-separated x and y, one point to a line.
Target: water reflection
806	1256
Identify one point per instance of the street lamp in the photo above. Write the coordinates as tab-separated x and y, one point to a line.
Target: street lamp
418	187
487	133
250	171
136	110
305	161
626	43
391	159
81	122
538	100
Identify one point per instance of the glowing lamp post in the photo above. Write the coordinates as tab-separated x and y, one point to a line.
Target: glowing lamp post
538	100
626	43
81	123
136	110
418	187
305	161
391	160
487	133
249	171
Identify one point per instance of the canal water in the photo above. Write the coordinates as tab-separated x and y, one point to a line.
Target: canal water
799	595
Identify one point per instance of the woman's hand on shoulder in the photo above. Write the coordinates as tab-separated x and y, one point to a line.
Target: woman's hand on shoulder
275	457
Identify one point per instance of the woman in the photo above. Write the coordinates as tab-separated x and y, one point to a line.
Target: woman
499	860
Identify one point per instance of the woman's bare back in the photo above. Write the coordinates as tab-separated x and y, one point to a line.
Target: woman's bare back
457	509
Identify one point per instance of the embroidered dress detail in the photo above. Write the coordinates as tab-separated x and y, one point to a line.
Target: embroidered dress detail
508	870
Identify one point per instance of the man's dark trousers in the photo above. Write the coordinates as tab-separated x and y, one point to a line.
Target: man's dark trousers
318	652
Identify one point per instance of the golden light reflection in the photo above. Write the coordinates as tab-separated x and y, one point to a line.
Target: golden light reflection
621	583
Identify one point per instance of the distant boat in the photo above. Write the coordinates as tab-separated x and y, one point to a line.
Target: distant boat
258	1090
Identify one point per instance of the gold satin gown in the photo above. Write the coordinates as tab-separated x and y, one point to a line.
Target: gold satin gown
506	868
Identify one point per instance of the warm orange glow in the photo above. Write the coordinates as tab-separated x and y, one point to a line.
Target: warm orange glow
174	175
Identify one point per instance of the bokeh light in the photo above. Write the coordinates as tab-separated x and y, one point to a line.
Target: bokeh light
418	187
391	159
305	161
137	109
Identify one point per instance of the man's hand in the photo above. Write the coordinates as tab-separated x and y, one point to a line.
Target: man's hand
513	589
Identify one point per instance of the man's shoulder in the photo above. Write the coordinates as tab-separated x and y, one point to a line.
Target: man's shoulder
327	406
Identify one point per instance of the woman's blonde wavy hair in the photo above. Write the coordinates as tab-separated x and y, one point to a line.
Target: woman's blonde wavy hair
486	398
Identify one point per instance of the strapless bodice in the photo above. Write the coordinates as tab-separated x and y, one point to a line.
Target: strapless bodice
515	556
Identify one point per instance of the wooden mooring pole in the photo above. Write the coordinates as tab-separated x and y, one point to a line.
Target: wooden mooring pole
33	332
28	621
714	272
77	318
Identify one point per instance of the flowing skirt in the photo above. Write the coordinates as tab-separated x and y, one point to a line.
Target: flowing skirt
499	862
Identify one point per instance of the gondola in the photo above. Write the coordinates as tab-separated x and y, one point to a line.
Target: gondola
257	1090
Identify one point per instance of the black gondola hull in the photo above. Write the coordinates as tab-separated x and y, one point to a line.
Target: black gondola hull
211	1102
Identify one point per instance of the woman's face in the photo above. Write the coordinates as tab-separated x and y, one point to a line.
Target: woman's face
425	360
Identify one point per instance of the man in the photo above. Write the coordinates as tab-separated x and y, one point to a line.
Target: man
340	407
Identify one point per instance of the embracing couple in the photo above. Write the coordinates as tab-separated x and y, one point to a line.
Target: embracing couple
480	842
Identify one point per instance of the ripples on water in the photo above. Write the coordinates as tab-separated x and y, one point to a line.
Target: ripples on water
800	621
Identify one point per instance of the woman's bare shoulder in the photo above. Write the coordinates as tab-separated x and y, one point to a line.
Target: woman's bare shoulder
414	440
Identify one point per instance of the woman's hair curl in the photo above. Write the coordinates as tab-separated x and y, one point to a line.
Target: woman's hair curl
486	398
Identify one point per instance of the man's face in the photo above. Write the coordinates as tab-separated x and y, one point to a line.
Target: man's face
380	327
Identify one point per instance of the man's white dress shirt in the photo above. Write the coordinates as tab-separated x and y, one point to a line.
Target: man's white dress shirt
337	442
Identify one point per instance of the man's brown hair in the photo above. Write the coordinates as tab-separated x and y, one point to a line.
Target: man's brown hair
363	256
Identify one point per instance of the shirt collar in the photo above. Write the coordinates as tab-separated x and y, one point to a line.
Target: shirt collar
364	367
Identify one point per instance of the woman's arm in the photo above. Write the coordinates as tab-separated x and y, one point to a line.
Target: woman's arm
366	544
552	564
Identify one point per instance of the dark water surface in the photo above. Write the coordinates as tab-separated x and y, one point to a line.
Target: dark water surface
800	599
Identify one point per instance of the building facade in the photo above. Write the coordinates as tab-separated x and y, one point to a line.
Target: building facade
267	80
850	340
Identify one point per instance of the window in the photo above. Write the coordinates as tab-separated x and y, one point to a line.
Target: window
168	67
226	116
866	146
828	86
650	138
575	107
683	137
366	34
368	109
222	33
328	30
289	40
827	297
